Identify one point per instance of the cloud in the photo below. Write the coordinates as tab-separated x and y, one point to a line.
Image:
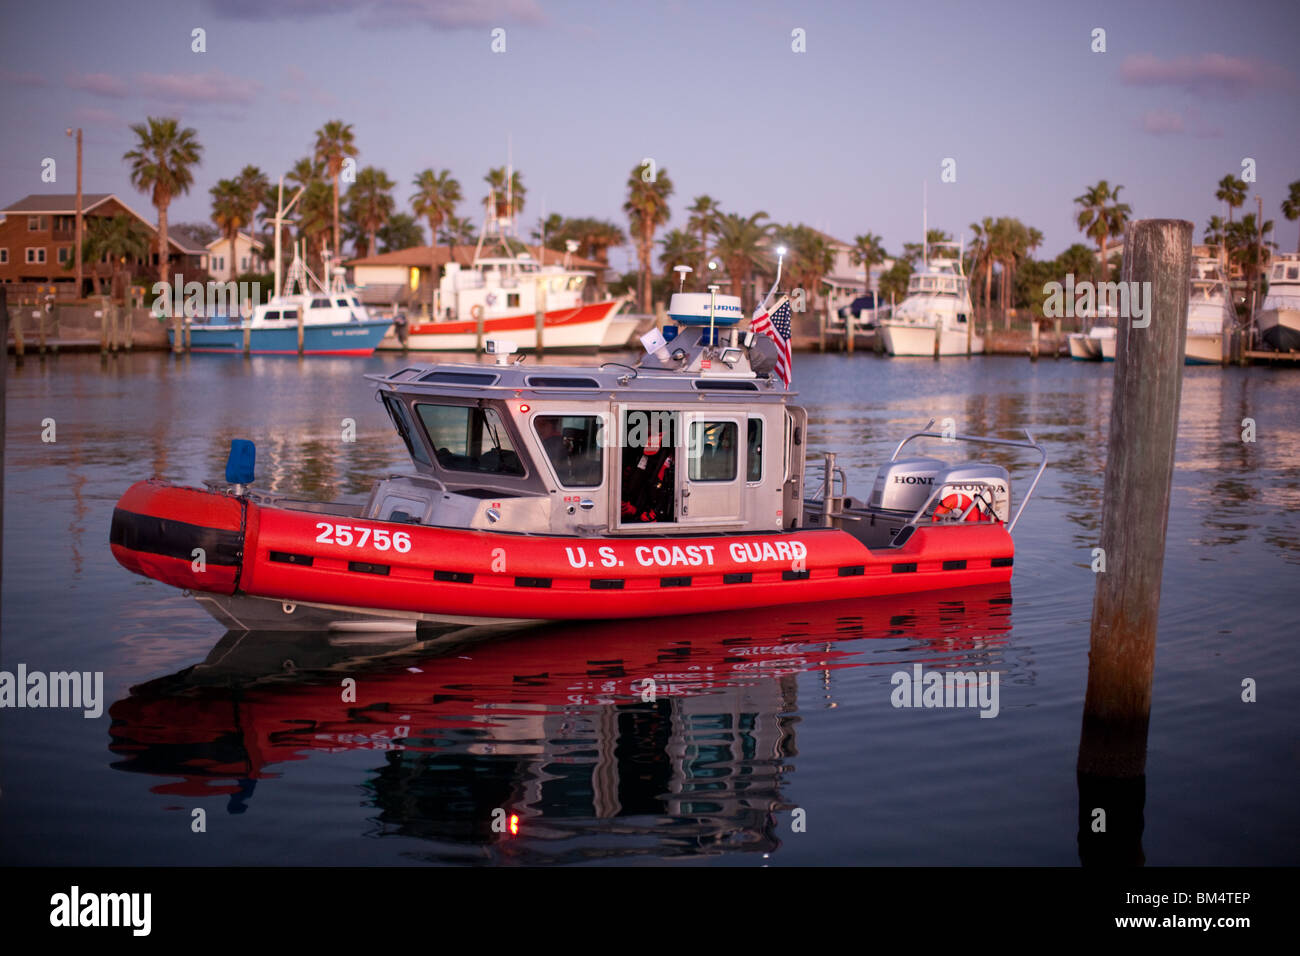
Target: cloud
211	87
1173	123
438	14
1209	73
94	116
10	78
101	84
1162	122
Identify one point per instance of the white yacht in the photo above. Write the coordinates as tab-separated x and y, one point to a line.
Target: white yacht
1278	318
1209	313
937	312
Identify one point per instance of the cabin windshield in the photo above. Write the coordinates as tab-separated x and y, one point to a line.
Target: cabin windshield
468	438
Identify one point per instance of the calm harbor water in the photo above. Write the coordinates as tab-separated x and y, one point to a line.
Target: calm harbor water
772	740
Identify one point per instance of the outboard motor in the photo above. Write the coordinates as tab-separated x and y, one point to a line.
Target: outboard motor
903	485
986	486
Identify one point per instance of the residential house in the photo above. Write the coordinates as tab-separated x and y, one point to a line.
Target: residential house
250	256
38	239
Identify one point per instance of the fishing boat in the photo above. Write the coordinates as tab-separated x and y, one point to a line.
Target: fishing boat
320	318
505	292
1209	313
1278	320
935	317
677	485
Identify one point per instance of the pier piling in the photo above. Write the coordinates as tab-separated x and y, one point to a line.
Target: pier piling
1135	501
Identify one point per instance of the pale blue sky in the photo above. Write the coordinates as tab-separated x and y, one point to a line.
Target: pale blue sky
840	137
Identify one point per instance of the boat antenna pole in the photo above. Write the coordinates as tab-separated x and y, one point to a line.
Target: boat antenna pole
780	258
713	298
281	211
925	226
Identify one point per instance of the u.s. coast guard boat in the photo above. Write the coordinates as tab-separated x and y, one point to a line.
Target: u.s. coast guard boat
674	486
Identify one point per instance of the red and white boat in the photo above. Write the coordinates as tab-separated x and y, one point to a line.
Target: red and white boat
507	293
553	493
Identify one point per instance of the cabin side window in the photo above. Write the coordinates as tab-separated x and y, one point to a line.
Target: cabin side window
467	438
573	445
754	454
711	451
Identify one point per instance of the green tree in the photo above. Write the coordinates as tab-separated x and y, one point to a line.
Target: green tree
703	222
1101	217
229	213
118	240
808	257
893	281
435	199
1291	206
868	251
647	209
982	254
1248	247
162	164
370	203
680	248
334	144
1231	191
401	231
743	244
550	232
456	231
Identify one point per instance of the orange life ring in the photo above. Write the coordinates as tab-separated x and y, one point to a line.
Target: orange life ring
953	505
476	312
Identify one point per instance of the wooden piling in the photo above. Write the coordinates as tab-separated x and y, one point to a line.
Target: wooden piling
4	372
104	321
17	322
849	332
1139	470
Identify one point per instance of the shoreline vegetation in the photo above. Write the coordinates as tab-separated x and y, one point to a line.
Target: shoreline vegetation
353	212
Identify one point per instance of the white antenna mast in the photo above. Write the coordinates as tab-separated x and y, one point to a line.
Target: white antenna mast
925	226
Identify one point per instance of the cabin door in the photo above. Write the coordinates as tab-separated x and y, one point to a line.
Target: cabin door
713	472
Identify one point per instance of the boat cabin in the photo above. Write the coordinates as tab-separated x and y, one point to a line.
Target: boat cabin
699	437
503	286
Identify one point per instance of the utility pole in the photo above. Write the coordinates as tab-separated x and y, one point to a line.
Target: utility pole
77	251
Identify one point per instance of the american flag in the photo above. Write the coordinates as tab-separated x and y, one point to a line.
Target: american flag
776	326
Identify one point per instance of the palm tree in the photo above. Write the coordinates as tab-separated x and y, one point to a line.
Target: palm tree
868	251
704	213
118	239
1232	191
680	248
742	243
594	237
808	257
1248	246
982	247
229	212
435	199
253	186
550	232
456	231
162	164
647	210
370	203
1215	231
506	206
1291	206
334	143
315	218
1101	220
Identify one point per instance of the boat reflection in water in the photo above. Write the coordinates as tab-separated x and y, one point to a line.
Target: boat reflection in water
555	724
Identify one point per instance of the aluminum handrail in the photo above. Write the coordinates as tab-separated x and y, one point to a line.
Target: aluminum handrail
1008	442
